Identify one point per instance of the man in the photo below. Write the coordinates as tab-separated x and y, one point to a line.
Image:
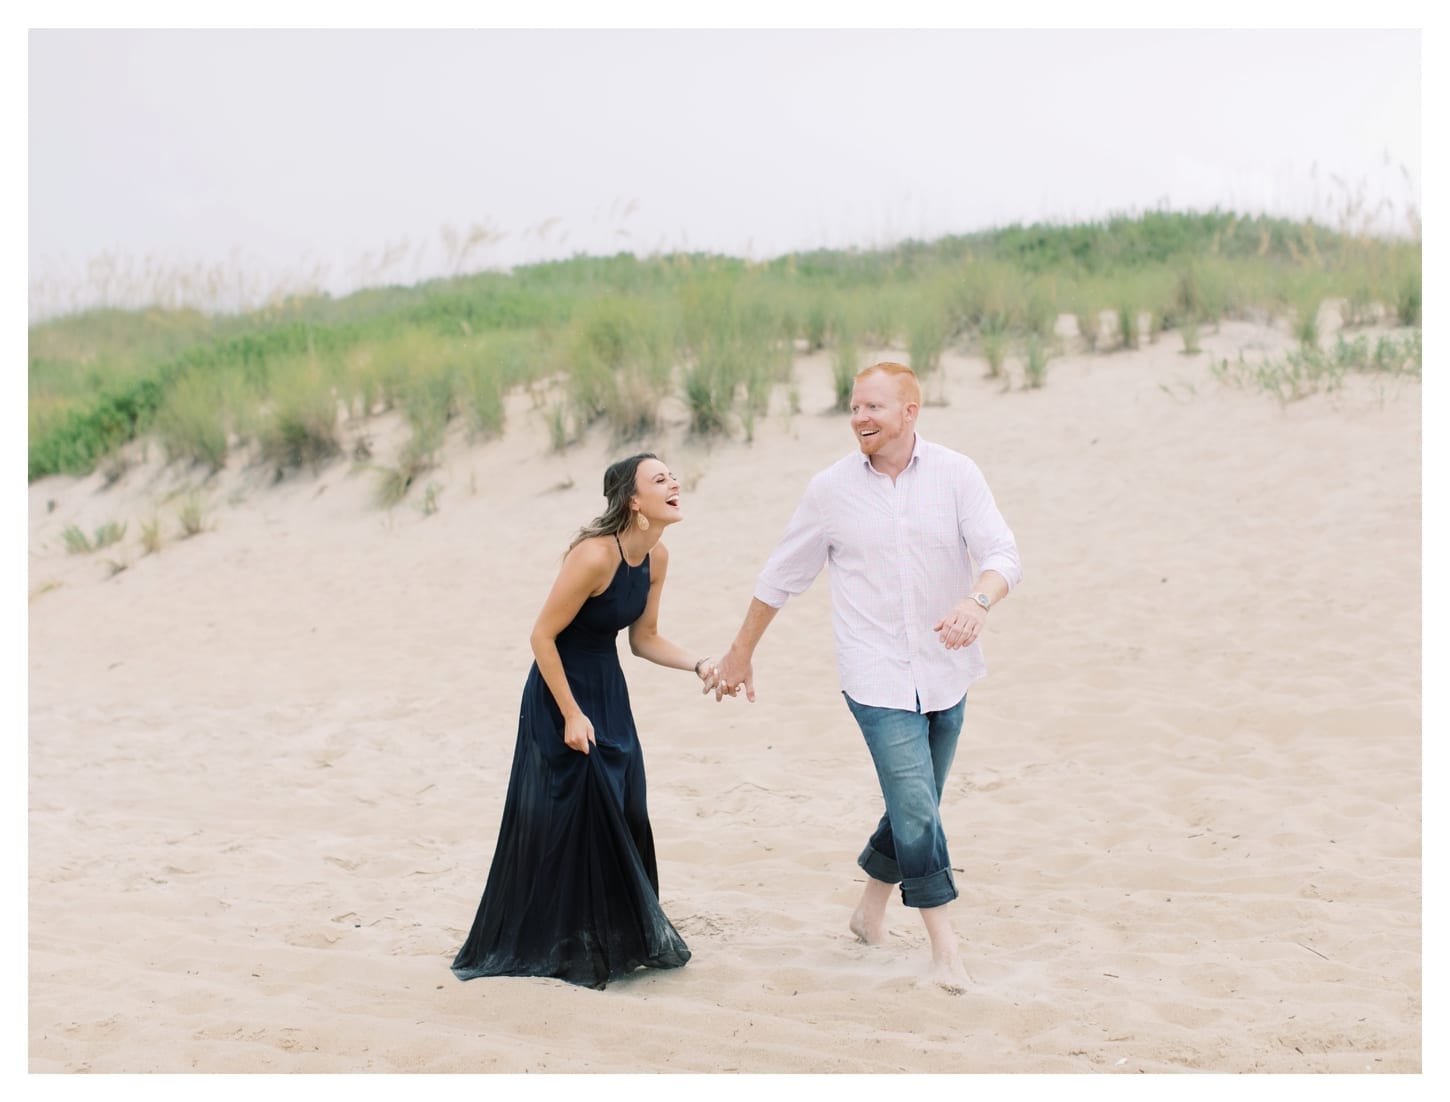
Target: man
902	524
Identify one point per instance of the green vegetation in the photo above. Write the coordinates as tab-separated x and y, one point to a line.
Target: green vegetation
1127	327
845	363
606	341
1089	324
1310	370
77	543
1034	362
994	347
151	535
1189	332
192	515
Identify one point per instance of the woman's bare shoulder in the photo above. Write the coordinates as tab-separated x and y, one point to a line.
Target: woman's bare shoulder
594	549
589	565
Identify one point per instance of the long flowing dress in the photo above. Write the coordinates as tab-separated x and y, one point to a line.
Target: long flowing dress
573	891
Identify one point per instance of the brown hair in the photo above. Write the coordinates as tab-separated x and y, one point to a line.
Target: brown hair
619	479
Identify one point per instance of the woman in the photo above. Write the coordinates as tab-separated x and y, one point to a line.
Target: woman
574	892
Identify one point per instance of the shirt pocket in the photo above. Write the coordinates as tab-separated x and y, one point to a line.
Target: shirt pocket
934	524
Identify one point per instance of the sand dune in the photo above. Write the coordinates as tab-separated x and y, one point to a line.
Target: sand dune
267	763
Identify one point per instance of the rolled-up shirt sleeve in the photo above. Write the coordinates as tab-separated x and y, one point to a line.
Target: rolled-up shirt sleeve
989	541
800	554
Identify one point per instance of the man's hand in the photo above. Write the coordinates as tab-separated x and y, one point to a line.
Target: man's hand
961	627
734	673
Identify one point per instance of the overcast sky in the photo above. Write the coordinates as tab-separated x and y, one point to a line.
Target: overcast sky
301	156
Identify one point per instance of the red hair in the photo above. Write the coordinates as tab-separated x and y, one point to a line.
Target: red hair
906	384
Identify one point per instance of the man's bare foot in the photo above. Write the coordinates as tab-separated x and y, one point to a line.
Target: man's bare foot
947	971
869	921
870	928
950	975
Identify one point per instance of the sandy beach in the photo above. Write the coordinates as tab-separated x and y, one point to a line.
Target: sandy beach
266	763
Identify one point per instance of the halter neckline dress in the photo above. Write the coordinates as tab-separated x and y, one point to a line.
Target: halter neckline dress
573	890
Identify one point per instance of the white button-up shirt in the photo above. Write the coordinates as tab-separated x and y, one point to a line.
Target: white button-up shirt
902	554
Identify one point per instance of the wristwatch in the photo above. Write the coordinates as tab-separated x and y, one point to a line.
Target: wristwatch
983	600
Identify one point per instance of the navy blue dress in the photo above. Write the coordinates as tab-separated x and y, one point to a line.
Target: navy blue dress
573	892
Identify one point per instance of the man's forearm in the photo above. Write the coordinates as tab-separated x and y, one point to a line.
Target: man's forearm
757	618
992	584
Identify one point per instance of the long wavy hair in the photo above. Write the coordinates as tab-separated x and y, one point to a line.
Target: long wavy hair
619	479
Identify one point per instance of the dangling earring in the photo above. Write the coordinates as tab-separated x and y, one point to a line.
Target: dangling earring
642	521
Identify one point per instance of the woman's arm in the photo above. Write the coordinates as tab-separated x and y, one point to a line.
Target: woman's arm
587	570
645	639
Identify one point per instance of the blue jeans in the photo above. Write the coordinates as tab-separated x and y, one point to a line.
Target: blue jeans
912	752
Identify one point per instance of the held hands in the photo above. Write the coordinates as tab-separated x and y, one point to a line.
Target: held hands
728	677
578	733
708	672
962	626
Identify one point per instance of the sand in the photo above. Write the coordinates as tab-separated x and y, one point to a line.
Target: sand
266	763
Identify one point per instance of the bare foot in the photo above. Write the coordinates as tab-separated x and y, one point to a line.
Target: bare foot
870	928
869	921
950	975
947	971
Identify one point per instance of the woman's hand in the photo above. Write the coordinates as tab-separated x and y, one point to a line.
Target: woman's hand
578	732
705	670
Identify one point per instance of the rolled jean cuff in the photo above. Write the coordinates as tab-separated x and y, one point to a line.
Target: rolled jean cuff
932	890
878	866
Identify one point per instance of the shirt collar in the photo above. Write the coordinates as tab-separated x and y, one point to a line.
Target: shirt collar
916	452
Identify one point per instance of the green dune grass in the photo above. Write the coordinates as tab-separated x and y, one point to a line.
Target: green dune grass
619	335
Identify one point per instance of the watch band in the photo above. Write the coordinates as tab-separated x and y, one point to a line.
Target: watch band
983	600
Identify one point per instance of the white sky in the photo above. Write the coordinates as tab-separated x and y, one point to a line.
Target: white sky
296	156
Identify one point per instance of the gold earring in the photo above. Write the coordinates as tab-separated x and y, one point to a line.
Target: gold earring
642	521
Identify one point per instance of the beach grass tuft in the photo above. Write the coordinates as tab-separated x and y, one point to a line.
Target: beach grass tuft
1127	326
76	541
151	539
192	515
418	456
1036	353
299	426
845	363
1189	332
1306	319
1407	302
995	343
1089	325
109	533
191	422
